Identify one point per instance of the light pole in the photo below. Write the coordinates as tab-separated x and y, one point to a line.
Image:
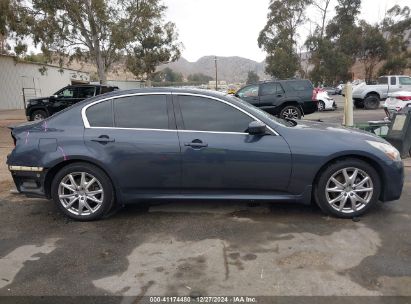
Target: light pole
216	74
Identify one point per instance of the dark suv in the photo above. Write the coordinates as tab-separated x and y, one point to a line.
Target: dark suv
40	108
285	98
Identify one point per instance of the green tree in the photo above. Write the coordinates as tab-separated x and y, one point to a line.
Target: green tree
278	38
373	48
156	44
252	77
397	26
97	30
199	77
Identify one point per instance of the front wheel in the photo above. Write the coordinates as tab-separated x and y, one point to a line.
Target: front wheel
82	192
38	115
347	188
290	112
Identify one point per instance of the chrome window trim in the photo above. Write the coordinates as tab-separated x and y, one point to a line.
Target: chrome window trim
87	124
84	109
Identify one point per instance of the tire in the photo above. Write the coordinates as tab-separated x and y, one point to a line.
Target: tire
290	112
38	115
332	202
372	102
359	104
76	204
321	106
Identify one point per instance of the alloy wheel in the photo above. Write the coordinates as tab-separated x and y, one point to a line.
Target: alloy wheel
349	190
81	193
291	113
38	117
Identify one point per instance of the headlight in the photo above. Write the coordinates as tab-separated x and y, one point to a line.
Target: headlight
388	150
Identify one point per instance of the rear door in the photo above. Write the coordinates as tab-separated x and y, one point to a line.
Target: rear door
219	156
250	94
136	138
271	93
65	98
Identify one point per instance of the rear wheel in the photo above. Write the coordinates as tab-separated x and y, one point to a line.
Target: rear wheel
321	106
372	102
347	188
38	115
290	112
82	192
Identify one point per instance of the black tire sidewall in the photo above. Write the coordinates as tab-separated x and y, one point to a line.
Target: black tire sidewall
108	200
288	107
319	188
371	102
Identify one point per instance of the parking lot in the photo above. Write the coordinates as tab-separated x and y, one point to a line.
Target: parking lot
207	249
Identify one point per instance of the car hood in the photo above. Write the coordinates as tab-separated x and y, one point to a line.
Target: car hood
337	129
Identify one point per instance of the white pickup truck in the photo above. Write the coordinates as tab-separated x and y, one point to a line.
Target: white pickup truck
369	96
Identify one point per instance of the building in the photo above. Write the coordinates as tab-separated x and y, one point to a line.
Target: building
22	80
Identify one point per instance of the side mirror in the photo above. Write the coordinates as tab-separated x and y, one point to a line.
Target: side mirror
53	96
257	128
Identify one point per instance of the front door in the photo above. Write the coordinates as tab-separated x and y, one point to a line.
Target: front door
218	155
249	94
135	137
64	99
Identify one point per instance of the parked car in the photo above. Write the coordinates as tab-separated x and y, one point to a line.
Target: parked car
324	101
339	89
370	96
179	144
289	99
40	108
396	102
330	90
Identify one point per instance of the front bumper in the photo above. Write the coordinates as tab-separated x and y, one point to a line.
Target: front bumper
393	181
29	180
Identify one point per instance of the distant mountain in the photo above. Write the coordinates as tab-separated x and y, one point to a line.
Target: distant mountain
231	69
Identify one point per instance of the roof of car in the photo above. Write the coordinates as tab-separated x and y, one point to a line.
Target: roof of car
167	90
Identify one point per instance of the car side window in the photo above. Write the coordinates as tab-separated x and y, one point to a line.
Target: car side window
68	93
405	80
271	88
206	114
250	91
141	112
393	81
86	92
100	114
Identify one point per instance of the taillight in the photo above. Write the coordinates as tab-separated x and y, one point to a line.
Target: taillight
314	96
403	98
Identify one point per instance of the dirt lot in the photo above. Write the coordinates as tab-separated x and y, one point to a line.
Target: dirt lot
202	248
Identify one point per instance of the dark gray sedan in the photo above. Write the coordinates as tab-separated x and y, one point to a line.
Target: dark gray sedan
169	144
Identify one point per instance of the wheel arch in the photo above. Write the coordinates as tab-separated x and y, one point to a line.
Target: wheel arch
53	170
369	160
373	93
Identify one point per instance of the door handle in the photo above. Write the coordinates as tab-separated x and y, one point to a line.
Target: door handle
196	144
103	139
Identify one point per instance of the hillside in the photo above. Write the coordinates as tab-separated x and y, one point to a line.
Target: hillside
231	69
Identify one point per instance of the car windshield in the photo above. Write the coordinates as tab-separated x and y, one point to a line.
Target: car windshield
287	123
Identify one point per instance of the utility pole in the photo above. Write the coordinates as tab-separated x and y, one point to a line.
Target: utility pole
216	74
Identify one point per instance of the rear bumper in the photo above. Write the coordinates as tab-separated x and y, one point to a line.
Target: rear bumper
393	182
29	183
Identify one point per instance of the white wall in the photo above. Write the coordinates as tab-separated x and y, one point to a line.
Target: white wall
14	76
